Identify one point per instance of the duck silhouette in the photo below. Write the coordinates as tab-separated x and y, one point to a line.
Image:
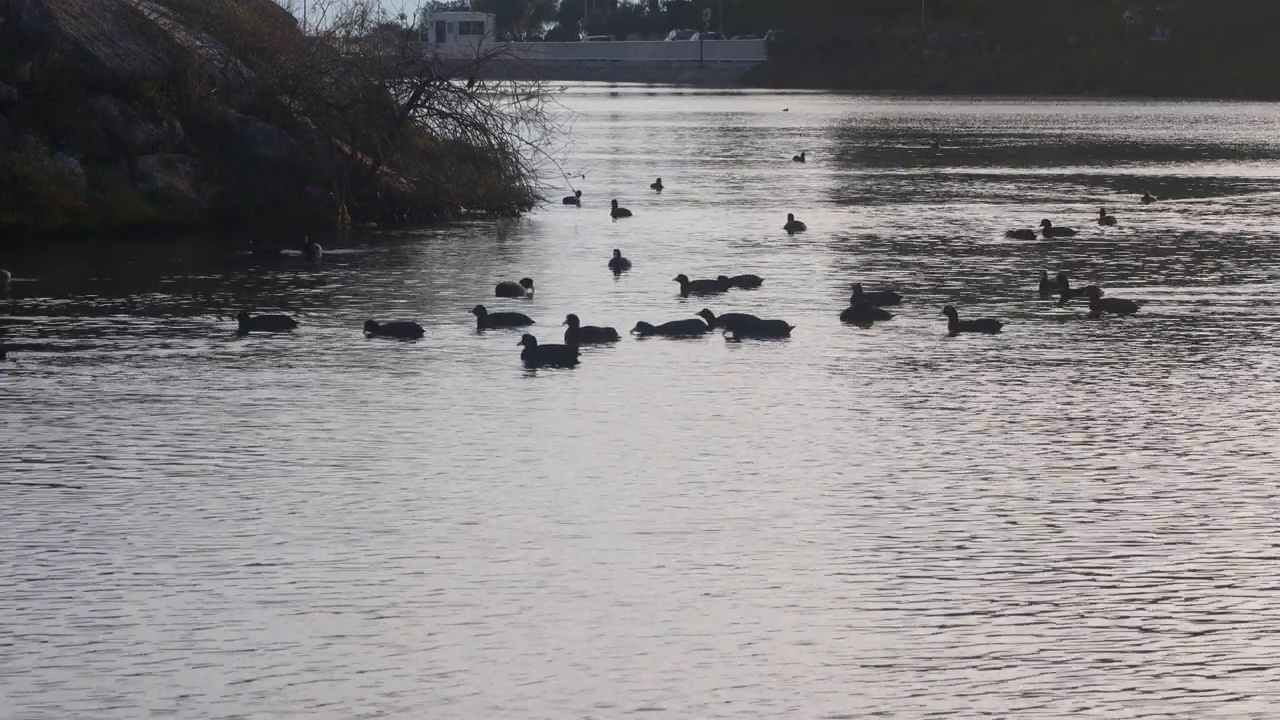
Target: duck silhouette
508	289
955	325
574	199
619	212
878	298
1021	234
618	263
793	225
674	329
798	158
657	185
486	320
1049	287
1104	218
1066	293
536	356
727	321
399	329
699	287
744	282
864	313
264	323
1099	305
1049	231
761	330
579	334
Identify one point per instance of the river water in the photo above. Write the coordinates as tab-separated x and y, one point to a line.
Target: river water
1072	518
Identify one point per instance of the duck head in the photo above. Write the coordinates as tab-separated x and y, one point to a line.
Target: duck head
951	313
528	341
577	193
527	284
1044	275
791	217
572	321
1093	292
243	316
707	315
479	311
1046	223
617	254
642	328
371	326
681	278
615	204
1063	281
857	290
722	279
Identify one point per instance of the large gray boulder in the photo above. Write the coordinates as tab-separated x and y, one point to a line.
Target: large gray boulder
70	168
136	134
261	139
165	176
121	43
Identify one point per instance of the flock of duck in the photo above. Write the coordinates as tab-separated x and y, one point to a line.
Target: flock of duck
865	307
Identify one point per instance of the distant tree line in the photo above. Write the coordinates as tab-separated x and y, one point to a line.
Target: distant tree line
1125	46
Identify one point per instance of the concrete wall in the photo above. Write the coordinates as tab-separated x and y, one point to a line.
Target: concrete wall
639	52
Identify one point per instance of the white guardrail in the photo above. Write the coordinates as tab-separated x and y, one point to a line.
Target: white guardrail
636	51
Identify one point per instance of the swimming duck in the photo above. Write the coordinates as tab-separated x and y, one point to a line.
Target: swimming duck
310	249
699	287
762	330
1104	218
508	289
877	298
727	321
574	199
618	263
1116	306
864	313
1023	234
619	212
486	320
579	334
261	249
1066	293
675	329
656	185
936	145
1049	231
955	325
798	158
1148	198
402	329
793	225
535	355
1047	286
745	282
264	323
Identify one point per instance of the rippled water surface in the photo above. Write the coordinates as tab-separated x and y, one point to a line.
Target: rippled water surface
1073	518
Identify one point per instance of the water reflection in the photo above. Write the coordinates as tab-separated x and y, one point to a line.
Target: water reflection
1072	517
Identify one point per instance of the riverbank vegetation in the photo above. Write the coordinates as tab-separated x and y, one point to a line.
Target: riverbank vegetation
116	116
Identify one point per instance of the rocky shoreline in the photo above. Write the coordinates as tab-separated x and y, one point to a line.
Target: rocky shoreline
124	115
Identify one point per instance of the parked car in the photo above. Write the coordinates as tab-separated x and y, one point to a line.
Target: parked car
710	35
745	37
681	34
597	38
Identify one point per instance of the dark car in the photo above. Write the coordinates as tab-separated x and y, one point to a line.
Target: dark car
709	35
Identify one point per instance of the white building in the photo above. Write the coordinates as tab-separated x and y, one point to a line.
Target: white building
447	28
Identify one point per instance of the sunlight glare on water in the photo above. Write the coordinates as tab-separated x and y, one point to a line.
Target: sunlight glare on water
1071	518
